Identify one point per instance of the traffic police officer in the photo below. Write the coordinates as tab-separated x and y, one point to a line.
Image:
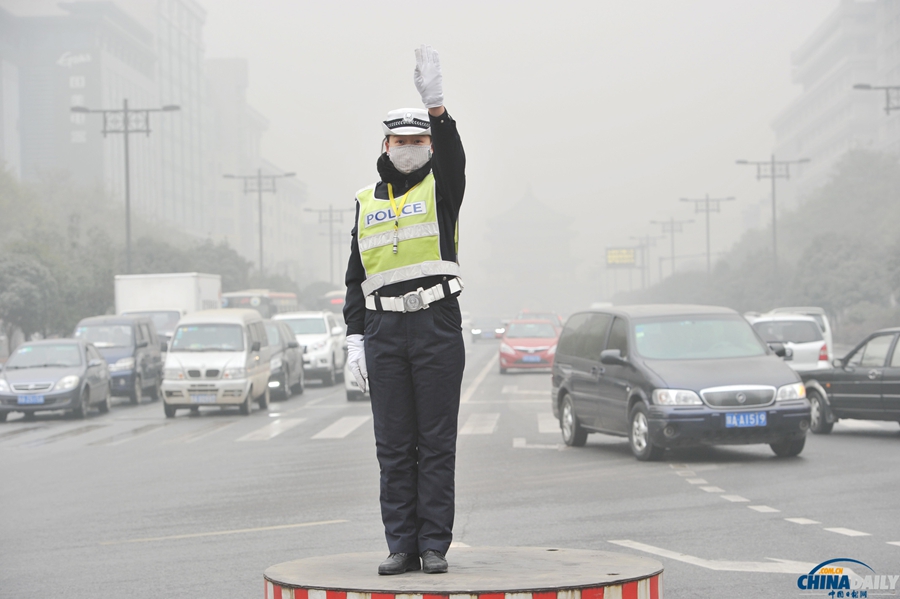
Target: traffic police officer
404	334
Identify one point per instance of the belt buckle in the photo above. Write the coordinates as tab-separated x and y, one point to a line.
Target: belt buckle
413	302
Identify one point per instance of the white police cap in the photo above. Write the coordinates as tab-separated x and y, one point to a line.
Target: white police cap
407	121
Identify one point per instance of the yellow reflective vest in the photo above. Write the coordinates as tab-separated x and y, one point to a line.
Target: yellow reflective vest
416	233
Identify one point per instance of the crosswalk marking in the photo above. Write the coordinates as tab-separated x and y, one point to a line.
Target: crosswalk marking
802	521
74	432
849	532
547	423
514	390
341	428
126	436
480	423
196	435
271	430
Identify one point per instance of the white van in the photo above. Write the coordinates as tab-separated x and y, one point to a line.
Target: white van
217	358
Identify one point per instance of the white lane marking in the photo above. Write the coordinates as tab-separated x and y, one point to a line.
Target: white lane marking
678	466
848	532
480	423
864	425
272	430
735	498
802	521
713	489
507	402
696	481
470	390
224	532
514	390
127	436
779	567
763	508
897	543
521	443
458	544
206	430
342	427
686	473
547	423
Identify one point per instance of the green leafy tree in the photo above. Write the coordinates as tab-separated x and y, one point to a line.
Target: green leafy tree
28	295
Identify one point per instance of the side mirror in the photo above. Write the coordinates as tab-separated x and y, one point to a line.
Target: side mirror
163	347
337	330
142	344
778	348
255	346
837	363
95	363
293	344
612	357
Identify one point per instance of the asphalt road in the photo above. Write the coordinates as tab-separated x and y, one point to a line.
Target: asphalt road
132	504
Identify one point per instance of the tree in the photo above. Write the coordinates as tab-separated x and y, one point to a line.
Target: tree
28	295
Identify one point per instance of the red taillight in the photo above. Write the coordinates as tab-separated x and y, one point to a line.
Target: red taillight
823	353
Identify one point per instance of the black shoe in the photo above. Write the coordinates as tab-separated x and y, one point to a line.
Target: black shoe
398	563
433	562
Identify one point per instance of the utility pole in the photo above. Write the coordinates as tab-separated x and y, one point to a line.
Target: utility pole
330	216
260	183
645	242
126	121
670	227
708	205
773	169
891	95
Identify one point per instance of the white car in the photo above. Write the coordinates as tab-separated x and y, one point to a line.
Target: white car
324	340
350	386
821	318
799	333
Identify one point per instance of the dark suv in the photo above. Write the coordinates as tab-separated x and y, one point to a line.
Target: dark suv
131	348
675	376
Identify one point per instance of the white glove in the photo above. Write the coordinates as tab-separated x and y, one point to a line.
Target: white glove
356	358
428	78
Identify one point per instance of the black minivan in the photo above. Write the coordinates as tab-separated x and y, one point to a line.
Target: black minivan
675	376
132	349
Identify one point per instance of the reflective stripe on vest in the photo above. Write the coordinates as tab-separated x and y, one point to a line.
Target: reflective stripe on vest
419	238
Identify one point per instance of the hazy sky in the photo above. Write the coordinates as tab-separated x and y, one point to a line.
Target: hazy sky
609	110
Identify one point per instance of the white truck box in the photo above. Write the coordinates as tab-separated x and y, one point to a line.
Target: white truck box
181	292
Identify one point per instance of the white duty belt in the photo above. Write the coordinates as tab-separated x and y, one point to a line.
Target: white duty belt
415	300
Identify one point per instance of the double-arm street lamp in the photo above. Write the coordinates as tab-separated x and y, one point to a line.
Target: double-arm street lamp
126	121
259	183
330	216
670	227
773	169
891	95
708	205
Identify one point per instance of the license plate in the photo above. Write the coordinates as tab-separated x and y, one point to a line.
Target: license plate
30	399
745	419
203	398
531	358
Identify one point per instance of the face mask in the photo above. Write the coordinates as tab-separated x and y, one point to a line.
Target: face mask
409	158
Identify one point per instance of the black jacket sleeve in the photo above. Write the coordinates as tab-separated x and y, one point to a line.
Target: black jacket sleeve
449	160
355	301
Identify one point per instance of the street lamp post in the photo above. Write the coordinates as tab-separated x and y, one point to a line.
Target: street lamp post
773	169
260	183
645	242
330	216
126	121
670	227
708	205
891	95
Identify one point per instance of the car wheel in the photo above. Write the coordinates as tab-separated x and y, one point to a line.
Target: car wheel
137	390
639	436
330	378
169	410
84	406
818	416
3	416
789	447
156	392
247	406
572	432
106	404
263	400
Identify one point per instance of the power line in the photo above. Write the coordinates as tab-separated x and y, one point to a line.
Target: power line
670	227
333	216
708	205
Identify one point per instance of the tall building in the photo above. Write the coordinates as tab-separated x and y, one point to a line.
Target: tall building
830	117
10	144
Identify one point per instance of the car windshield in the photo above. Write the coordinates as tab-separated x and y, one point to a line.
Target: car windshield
208	337
696	338
106	335
272	333
530	330
788	331
165	322
307	326
36	356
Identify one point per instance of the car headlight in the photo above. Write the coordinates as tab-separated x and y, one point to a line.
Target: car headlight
793	391
275	364
236	372
317	345
505	349
123	364
476	331
499	331
4	386
173	374
676	397
66	383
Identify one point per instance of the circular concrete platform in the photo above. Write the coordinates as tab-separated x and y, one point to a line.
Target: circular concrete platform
475	573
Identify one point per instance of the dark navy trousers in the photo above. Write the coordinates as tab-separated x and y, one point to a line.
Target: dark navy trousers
415	362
